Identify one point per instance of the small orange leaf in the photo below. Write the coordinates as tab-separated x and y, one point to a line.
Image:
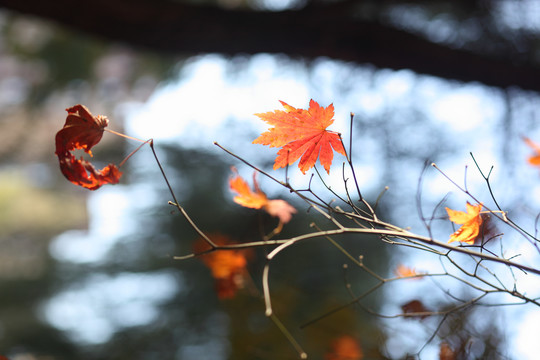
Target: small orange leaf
405	271
247	198
82	131
470	221
345	348
301	133
257	199
533	159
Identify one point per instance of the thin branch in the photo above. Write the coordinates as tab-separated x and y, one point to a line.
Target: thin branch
176	203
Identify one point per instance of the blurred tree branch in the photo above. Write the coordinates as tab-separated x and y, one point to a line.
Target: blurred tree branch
333	30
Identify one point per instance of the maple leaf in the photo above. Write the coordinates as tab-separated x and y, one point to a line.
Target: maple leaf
257	199
301	133
470	221
228	267
533	159
345	348
83	131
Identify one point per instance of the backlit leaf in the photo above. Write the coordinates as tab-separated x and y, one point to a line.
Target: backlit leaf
301	133
83	131
246	197
256	199
470	221
83	173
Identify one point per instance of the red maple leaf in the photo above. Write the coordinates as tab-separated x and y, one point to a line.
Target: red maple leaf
302	133
82	131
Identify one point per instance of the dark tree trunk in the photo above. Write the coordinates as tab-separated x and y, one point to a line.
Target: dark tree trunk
314	31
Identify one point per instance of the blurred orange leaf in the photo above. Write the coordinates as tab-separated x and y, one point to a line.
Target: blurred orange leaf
345	348
405	271
533	159
446	352
82	131
280	209
301	133
228	267
252	199
257	199
470	221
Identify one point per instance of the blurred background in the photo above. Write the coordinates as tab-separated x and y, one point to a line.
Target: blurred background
92	275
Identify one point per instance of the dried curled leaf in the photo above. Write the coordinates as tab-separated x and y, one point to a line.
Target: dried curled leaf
257	199
83	173
345	348
470	221
83	131
301	133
